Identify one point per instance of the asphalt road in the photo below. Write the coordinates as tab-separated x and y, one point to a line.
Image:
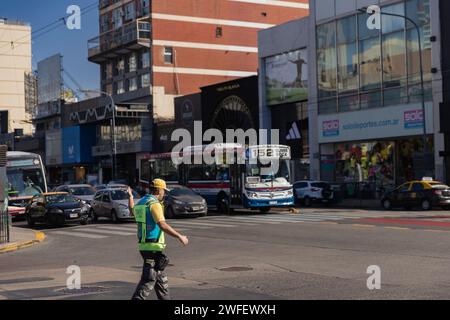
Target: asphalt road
319	254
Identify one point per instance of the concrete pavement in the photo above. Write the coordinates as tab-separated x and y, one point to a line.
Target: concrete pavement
21	238
307	256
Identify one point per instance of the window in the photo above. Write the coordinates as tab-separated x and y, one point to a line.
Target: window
145	7
370	64
132	63
390	23
209	172
394	60
196	173
120	66
104	23
120	87
347	53
145	59
327	106
130	12
105	197
145	80
326	60
133	84
218	32
301	185
417	187
168	55
405	187
117	18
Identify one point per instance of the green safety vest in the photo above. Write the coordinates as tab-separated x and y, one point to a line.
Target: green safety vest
150	235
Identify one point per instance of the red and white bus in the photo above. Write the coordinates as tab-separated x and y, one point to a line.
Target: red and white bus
233	181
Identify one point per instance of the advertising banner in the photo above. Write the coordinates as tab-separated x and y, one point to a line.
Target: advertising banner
379	123
287	77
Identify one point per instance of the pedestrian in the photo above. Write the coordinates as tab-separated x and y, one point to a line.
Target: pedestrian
149	216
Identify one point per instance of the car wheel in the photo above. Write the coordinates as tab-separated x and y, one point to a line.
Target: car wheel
307	201
426	205
93	216
84	221
387	205
114	218
264	210
30	221
170	213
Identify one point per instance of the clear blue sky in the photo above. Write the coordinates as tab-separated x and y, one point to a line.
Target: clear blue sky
72	44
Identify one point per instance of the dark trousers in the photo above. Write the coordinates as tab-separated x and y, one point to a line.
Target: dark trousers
152	278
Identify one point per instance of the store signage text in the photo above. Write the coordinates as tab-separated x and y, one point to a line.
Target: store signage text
413	119
330	128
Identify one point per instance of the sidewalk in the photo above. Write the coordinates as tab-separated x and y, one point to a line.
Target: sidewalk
21	238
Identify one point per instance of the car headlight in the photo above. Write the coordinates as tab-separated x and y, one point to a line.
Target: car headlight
84	209
180	203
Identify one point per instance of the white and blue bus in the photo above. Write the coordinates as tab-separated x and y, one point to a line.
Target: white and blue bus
26	178
260	179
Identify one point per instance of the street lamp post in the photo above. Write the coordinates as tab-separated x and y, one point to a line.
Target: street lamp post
113	131
422	85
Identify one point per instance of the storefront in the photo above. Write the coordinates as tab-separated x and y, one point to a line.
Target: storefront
375	149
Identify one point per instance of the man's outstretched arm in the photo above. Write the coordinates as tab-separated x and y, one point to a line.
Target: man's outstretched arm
172	232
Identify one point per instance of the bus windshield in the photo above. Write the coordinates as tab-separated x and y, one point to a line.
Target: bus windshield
269	173
24	181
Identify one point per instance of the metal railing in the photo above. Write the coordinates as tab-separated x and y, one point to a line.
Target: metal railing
134	31
4	216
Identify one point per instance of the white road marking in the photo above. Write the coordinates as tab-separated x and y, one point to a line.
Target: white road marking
79	234
108	232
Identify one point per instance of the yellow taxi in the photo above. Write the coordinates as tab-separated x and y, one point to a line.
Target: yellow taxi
425	193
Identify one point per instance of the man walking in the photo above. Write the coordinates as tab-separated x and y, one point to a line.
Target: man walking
149	216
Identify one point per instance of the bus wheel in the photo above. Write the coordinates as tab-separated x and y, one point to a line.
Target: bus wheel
223	205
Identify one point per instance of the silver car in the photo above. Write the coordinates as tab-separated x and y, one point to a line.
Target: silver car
84	192
111	203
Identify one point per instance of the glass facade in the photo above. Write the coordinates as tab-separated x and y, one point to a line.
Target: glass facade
360	68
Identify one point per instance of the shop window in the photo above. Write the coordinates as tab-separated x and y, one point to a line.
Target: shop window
370	64
395	96
371	100
326	60
394	60
391	24
327	106
348	103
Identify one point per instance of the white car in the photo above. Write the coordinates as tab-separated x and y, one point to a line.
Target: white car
308	192
113	204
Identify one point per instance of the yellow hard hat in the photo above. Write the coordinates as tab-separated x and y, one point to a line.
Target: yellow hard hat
159	183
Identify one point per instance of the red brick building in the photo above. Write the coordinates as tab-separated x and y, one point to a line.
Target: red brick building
153	51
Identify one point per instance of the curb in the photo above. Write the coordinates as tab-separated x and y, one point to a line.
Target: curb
39	237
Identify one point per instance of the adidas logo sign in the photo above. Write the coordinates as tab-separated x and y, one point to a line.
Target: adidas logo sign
294	132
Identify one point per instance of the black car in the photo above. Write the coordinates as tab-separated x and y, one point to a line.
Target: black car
56	209
182	201
423	194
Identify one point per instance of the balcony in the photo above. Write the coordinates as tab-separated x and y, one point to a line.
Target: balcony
131	36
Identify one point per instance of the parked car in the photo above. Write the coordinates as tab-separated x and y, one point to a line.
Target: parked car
111	203
82	191
425	194
308	192
56	209
182	201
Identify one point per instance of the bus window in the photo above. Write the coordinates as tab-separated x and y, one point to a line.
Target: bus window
165	169
223	173
209	172
195	173
145	170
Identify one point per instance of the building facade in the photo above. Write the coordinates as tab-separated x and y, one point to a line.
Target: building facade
154	51
365	94
15	65
284	57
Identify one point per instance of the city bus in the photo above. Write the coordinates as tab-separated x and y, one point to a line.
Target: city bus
26	178
228	184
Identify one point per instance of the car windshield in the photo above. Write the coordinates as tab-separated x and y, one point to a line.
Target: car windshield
182	192
61	198
119	195
82	191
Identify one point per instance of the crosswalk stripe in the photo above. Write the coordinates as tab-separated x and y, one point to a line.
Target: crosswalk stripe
134	228
263	219
109	232
228	220
204	224
80	235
